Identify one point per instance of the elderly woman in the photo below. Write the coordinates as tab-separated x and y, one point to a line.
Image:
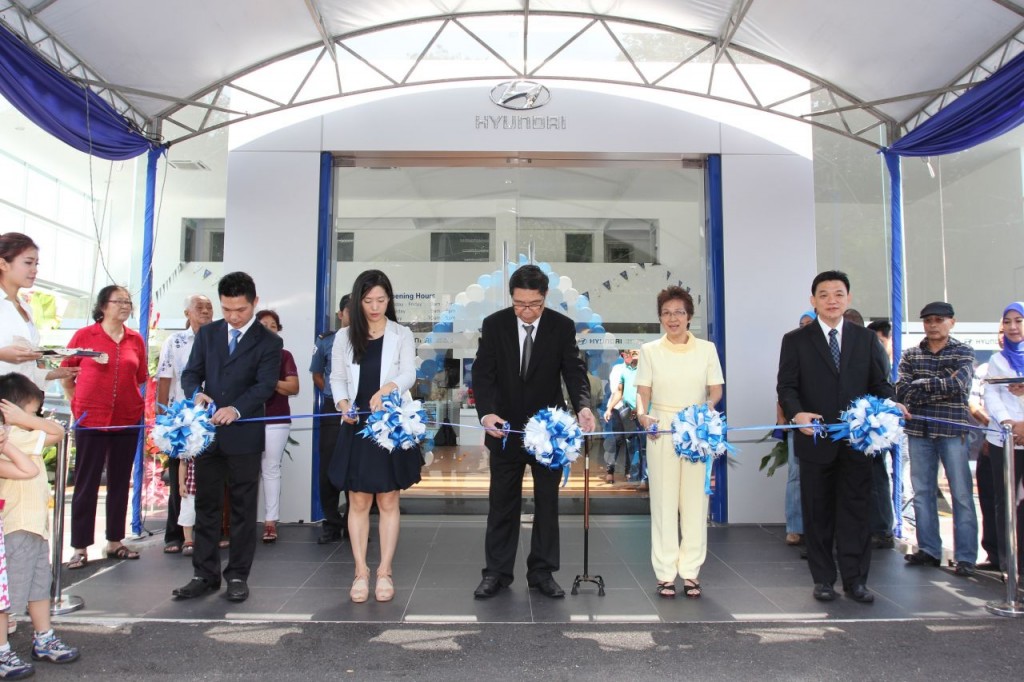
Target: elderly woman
372	357
676	371
276	430
1005	405
19	338
105	394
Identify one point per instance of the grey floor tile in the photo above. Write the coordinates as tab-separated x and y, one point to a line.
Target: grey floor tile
458	605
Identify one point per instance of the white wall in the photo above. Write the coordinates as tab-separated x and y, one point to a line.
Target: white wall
767	179
271	234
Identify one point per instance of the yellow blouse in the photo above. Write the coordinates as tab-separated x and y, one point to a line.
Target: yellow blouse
678	374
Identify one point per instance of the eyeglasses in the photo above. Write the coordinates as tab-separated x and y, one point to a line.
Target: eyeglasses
669	314
536	305
121	301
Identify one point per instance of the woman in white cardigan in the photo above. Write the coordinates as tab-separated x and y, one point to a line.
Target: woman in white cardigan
1005	405
372	357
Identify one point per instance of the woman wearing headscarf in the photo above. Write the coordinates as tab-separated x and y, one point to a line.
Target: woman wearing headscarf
794	514
1005	405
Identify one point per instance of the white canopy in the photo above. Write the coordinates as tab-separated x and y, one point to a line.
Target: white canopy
892	62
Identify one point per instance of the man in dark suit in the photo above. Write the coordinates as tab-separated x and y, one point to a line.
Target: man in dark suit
524	355
823	367
235	364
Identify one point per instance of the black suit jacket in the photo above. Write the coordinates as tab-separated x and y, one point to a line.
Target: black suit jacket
497	386
808	380
244	379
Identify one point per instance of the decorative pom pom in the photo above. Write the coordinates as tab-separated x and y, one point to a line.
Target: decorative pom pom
698	432
872	425
184	431
401	424
553	437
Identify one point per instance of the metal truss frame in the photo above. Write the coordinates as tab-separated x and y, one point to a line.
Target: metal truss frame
821	103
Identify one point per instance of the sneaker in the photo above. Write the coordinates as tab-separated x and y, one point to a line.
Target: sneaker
922	558
13	668
53	649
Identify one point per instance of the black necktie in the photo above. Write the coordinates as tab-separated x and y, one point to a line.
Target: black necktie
833	345
527	350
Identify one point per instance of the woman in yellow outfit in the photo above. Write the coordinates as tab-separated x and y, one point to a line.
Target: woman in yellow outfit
676	371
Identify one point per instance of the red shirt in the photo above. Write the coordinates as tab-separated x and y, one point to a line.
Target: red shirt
277	406
109	393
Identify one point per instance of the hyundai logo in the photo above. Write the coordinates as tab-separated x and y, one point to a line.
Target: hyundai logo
520	95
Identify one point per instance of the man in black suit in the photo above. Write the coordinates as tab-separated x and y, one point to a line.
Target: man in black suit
524	355
235	363
823	367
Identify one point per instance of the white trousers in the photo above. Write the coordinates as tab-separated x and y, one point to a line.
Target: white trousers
276	436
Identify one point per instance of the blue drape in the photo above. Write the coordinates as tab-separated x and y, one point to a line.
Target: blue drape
983	113
72	113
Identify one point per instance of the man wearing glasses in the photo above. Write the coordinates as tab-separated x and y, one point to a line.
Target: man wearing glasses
525	354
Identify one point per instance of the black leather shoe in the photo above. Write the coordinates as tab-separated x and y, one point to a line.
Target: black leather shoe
886	541
196	587
860	593
922	558
823	592
488	587
328	536
237	590
964	568
549	588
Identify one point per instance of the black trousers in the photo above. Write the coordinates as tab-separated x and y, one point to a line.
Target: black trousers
987	501
997	458
330	496
836	499
241	472
94	450
173	534
505	499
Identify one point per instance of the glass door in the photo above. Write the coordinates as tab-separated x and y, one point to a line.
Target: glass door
449	232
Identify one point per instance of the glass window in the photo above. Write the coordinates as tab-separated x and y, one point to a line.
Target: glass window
460	247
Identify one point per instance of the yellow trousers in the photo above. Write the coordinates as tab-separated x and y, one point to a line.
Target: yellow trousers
679	511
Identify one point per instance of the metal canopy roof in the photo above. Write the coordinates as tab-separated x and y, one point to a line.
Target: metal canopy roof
869	70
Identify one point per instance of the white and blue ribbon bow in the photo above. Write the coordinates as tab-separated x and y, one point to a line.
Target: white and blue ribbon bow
183	430
554	438
871	424
399	423
698	434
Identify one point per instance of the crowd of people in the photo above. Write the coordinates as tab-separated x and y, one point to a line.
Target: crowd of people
838	503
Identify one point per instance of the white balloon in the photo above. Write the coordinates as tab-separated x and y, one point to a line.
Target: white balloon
570	296
475	292
461	298
565	283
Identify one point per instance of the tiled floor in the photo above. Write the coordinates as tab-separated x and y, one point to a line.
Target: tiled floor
750	574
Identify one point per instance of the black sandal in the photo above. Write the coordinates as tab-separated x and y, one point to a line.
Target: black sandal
78	560
691	588
122	553
666	590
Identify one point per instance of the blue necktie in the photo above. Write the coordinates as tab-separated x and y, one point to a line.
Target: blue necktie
833	345
233	341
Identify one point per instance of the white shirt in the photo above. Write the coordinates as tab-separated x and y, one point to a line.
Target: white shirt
14	330
173	358
1000	404
614	380
826	329
244	329
522	333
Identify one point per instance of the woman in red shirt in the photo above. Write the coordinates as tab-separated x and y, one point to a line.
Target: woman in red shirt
107	394
277	430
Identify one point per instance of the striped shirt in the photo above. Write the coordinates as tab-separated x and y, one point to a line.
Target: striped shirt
936	385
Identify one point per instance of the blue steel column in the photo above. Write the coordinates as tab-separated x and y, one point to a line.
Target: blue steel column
322	316
716	309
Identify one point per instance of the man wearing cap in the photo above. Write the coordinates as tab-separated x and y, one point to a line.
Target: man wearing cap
935	382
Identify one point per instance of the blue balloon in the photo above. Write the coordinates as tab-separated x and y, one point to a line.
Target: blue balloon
596	319
429	368
545	268
484	281
582	302
598	329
